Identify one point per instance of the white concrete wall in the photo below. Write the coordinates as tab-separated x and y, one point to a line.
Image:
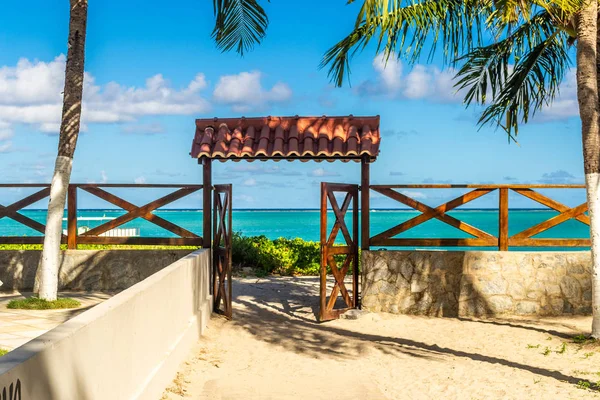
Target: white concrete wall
128	347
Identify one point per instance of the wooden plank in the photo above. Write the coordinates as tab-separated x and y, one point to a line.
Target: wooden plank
478	186
355	289
150	217
430	213
365	182
552	222
24	185
324	255
340	214
503	220
335	250
156	241
27	201
435	242
21	239
72	218
135	185
548	202
206	202
529	242
144	211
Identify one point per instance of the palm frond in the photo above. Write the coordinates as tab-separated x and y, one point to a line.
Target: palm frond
521	73
409	29
239	24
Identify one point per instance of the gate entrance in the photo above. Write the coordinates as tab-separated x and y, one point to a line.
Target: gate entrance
338	258
222	250
341	138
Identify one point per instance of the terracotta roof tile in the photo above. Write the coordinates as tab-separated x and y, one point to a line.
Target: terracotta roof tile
319	138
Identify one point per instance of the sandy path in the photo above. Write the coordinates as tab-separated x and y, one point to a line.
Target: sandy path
274	349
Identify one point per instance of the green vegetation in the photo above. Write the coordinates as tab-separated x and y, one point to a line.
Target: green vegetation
581	339
97	247
563	348
530	346
584	385
35	303
547	351
3	352
279	256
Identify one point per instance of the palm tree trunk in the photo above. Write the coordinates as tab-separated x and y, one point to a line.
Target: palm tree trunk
589	110
46	279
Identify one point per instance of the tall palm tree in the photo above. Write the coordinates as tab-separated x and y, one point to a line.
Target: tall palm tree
512	56
239	25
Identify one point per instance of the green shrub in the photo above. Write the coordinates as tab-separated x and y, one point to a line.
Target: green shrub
3	352
280	256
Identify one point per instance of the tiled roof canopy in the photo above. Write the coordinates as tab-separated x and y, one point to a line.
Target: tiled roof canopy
287	138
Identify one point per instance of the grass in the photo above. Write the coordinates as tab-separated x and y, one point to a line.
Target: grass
530	346
3	352
547	351
563	349
35	303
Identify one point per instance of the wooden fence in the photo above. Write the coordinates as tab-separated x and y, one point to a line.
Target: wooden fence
98	234
480	238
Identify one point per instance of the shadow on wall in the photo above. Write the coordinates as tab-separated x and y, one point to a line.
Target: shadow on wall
108	270
477	283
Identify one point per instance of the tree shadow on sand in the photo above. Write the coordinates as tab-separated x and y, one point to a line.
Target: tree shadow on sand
282	314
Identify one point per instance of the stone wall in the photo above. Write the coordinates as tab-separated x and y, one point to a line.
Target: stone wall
86	269
477	283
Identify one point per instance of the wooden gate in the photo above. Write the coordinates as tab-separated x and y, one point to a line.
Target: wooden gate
333	256
221	248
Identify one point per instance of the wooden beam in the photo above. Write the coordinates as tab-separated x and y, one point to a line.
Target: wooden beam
429	213
365	183
433	242
552	222
207	202
503	220
72	218
548	202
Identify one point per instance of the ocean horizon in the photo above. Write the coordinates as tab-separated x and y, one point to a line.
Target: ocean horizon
304	223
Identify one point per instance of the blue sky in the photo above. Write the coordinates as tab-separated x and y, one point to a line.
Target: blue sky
153	68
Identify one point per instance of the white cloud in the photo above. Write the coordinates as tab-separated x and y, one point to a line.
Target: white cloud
565	105
5	147
320	172
140	180
104	177
31	93
250	182
422	82
244	92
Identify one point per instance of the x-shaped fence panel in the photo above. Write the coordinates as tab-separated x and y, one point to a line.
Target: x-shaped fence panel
330	252
478	236
146	212
222	250
12	211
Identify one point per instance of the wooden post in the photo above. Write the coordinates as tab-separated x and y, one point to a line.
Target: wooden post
207	202
72	218
503	220
365	183
324	255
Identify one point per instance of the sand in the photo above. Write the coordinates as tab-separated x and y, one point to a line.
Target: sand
274	349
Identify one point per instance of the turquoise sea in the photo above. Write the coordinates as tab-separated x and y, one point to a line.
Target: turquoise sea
305	223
